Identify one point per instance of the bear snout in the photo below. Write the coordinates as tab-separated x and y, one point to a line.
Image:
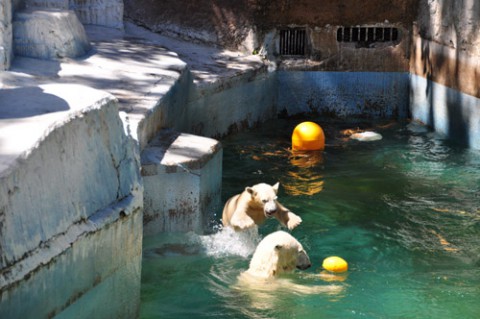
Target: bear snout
270	209
303	261
304	266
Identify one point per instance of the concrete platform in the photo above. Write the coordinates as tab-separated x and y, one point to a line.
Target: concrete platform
182	175
138	67
49	34
70	193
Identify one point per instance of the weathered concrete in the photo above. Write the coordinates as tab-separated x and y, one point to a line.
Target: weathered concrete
231	23
47	4
91	271
69	181
49	34
108	13
252	26
448	111
6	52
245	100
445	86
182	178
343	94
446	45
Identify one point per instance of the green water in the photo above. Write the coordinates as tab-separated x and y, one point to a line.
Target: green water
403	211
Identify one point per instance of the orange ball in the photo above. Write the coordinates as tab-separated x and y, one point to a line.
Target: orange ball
308	136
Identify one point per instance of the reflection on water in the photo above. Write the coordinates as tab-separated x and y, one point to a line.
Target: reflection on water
403	211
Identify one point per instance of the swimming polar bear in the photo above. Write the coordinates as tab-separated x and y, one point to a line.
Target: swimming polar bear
277	254
254	205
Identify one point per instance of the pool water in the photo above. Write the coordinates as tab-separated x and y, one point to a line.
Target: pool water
403	211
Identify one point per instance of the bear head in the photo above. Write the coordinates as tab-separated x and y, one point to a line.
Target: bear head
265	196
278	253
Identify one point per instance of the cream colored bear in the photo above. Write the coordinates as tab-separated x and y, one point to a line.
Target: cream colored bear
278	253
254	205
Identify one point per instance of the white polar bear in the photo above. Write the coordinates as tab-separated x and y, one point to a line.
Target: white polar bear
278	253
254	205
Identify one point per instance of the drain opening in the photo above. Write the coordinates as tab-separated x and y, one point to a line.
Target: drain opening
367	34
293	41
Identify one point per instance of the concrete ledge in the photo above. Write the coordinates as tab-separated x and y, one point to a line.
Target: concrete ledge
344	94
182	181
49	34
6	52
70	202
108	13
76	271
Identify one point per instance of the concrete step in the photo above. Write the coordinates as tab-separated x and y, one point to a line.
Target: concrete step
49	34
182	175
107	13
47	4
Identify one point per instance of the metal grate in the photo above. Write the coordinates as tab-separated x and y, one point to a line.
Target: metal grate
293	41
367	34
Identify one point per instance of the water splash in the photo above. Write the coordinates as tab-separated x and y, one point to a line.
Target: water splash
227	242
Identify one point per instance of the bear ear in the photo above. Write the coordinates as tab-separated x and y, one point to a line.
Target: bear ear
278	247
250	190
275	187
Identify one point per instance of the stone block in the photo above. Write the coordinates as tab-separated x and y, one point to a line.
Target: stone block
182	182
49	34
108	13
5	34
56	4
71	205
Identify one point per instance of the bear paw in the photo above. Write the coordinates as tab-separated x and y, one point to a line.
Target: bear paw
242	223
293	220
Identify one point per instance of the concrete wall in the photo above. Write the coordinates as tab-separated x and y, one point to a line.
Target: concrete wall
35	34
107	13
343	94
6	53
232	104
70	204
445	68
212	109
252	26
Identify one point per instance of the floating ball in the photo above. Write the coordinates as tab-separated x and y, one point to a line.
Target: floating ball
366	136
308	136
335	264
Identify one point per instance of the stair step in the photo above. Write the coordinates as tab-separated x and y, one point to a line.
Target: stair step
49	34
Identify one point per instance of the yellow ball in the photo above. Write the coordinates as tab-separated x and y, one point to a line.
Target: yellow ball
335	264
308	136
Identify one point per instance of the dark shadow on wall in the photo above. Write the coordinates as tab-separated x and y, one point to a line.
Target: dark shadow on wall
224	23
453	27
29	101
458	113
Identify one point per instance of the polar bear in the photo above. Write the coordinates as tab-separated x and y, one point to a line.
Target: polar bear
254	205
278	253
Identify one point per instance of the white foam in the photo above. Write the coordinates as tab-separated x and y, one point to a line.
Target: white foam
229	242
